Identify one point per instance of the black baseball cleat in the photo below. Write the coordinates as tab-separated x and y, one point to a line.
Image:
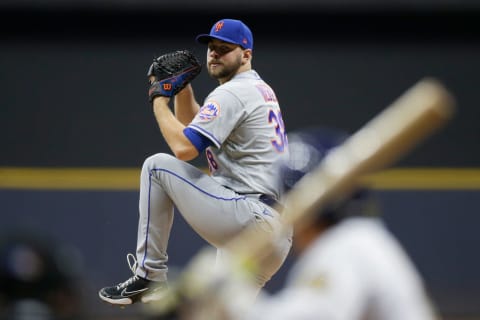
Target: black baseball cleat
134	289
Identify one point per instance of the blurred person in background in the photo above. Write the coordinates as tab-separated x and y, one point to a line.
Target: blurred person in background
38	278
348	265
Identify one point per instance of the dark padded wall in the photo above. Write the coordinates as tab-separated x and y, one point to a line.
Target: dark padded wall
74	88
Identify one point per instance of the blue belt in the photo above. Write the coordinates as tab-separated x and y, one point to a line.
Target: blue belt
268	200
271	202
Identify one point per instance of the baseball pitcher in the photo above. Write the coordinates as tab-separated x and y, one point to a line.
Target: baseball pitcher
240	129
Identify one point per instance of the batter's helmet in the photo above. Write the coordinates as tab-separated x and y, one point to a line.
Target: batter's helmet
308	147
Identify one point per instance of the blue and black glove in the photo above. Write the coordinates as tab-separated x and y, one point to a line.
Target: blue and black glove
172	72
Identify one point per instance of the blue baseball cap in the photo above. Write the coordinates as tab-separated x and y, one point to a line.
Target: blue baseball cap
229	30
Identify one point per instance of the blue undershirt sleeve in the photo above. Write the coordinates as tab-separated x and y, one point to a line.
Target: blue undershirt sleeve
197	139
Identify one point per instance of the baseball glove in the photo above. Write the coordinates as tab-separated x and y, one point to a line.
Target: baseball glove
172	72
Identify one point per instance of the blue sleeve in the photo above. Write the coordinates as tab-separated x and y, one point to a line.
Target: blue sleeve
197	139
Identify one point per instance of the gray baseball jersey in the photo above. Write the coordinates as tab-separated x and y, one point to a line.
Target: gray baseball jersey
242	119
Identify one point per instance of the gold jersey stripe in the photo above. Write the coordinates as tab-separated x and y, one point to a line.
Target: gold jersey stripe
63	178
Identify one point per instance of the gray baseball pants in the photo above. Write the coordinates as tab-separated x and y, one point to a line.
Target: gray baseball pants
215	212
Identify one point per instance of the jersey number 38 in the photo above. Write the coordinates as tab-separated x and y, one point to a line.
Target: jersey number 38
280	142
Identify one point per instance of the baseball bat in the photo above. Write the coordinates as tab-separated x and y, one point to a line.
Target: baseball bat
385	139
415	115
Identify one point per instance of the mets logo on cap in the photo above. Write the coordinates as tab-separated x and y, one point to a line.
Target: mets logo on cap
229	30
210	110
219	26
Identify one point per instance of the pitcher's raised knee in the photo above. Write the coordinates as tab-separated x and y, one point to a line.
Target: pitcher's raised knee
159	162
